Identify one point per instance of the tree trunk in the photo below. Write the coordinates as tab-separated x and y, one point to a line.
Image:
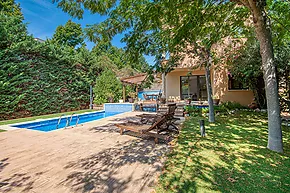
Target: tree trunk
263	32
211	117
91	97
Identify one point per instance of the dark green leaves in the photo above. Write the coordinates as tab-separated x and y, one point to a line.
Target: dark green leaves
70	34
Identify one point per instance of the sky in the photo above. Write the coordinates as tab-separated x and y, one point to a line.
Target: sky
43	17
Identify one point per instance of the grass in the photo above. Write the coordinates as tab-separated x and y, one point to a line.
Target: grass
12	121
2	130
231	158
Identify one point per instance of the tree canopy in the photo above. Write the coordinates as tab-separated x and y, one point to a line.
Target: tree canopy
158	27
53	76
9	7
70	34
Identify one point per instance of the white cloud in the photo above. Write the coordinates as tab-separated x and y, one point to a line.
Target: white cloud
28	12
44	3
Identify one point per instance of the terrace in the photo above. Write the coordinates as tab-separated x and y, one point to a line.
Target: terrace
92	157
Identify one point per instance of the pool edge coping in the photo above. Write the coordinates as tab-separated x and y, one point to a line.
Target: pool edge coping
12	126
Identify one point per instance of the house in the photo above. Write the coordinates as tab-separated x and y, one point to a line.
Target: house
39	40
188	81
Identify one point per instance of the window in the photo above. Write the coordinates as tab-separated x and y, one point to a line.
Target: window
193	87
234	84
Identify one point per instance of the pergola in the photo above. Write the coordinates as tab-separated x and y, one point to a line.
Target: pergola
133	80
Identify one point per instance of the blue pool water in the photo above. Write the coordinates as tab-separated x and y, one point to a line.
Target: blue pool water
49	125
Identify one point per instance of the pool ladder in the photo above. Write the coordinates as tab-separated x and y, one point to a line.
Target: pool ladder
68	121
59	119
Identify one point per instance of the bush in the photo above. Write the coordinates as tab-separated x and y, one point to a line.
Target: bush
192	110
107	86
229	106
204	110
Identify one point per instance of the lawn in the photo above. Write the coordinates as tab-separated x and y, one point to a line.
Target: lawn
12	121
231	158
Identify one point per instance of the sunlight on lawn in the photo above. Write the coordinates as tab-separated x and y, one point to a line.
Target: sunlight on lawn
231	158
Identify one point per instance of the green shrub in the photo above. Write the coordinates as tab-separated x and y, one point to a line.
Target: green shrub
107	86
229	106
204	110
192	110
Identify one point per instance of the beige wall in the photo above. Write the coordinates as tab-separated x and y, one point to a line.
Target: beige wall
220	89
219	84
173	81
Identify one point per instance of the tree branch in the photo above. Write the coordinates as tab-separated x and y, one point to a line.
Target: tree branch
275	19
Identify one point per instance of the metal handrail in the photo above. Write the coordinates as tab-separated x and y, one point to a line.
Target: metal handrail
78	118
67	122
59	119
70	119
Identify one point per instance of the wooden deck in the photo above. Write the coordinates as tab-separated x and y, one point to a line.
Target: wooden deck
89	158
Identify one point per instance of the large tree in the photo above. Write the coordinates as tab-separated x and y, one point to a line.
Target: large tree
262	25
70	34
146	20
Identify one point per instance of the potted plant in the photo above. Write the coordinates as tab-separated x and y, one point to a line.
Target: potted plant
131	97
110	97
216	100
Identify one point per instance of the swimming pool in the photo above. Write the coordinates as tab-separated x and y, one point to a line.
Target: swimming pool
51	124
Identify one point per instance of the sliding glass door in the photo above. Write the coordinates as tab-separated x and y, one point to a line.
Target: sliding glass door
193	87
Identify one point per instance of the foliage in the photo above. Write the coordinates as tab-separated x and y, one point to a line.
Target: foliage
107	86
36	78
246	68
169	27
10	8
204	110
70	34
88	65
54	76
118	60
231	158
144	24
279	13
282	57
161	27
227	107
192	110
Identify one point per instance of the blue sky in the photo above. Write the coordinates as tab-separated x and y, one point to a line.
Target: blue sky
43	17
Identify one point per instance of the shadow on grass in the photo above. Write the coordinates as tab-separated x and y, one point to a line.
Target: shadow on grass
115	169
232	158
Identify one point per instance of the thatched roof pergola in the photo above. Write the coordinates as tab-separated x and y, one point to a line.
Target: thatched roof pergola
133	80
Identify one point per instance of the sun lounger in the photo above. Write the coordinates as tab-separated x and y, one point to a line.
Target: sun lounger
154	130
150	118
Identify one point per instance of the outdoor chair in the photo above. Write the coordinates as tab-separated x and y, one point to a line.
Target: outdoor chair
159	126
146	117
170	119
